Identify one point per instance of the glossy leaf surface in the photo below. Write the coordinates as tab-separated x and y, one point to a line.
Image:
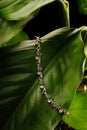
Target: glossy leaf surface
78	112
21	101
17	9
21	36
8	30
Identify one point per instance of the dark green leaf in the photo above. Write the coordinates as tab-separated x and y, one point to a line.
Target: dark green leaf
20	98
9	29
21	36
22	9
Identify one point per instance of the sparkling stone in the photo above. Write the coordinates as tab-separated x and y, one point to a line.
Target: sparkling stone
44	91
38	53
49	100
39	73
39	61
60	110
41	86
52	103
37	57
41	76
36	44
47	96
85	87
37	38
41	82
38	48
40	69
67	113
38	66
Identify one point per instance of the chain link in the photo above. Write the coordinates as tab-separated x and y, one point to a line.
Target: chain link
41	79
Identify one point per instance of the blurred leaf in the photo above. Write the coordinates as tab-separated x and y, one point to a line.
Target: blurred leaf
78	112
9	29
82	4
20	98
22	9
7	86
18	38
4	3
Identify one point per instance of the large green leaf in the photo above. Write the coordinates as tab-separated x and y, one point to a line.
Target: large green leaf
78	112
22	105
8	30
21	36
3	104
82	4
22	9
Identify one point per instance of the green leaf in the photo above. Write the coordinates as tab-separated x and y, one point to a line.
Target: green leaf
82	4
9	29
22	9
21	100
78	112
17	39
4	3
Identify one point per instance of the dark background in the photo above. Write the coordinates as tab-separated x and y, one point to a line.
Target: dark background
48	19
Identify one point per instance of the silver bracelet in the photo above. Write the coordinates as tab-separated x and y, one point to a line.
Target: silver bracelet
41	79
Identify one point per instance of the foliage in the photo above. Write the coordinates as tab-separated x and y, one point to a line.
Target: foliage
64	52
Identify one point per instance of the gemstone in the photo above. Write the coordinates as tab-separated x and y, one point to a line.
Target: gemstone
37	57
49	100
67	113
47	96
60	110
39	73
41	82
85	87
40	69
36	44
39	61
38	53
41	86
44	91
41	76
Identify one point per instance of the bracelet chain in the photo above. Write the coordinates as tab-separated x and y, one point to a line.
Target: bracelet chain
41	80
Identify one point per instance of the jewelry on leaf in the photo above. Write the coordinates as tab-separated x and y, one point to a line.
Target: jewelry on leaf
41	80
